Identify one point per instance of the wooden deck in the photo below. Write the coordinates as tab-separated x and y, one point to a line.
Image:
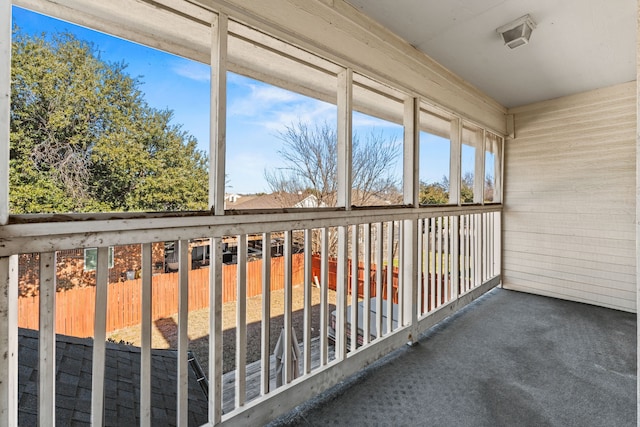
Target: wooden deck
253	375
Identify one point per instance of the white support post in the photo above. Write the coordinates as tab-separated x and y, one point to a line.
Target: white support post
266	314
47	340
9	339
411	181
345	137
218	120
454	165
215	332
100	338
5	106
241	322
145	338
182	398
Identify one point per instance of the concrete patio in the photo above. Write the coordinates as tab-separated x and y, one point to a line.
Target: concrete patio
508	359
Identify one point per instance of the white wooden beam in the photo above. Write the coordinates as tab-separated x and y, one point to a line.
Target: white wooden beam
47	340
479	144
218	120
9	340
5	106
345	138
454	166
411	181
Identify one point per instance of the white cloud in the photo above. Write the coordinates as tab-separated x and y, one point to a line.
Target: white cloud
192	70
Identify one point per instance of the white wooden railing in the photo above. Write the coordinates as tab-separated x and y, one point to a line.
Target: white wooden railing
445	257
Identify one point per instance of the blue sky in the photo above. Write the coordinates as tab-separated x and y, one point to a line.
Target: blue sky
256	112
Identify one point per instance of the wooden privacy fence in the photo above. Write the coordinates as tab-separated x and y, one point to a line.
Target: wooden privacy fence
75	307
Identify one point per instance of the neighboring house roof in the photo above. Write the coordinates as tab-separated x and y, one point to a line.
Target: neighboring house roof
122	384
272	201
305	200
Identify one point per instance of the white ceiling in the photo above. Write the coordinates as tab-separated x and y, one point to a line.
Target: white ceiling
578	45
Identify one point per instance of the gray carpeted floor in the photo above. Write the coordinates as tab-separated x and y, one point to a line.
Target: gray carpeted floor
508	359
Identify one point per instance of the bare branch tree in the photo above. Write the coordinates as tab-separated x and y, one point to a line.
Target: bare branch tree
310	154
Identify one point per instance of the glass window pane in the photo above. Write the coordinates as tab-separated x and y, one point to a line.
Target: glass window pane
435	159
281	147
129	132
377	144
471	141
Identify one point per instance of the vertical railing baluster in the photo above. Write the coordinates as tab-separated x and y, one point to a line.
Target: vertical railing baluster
100	337
9	338
47	340
288	296
145	337
455	259
447	257
241	322
324	296
265	373
342	276
402	321
307	301
379	277
420	274
467	251
215	332
390	241
432	263
184	263
438	257
366	286
354	287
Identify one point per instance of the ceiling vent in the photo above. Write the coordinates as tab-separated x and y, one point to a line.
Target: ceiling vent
517	33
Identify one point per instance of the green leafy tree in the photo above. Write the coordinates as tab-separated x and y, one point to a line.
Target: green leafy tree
84	139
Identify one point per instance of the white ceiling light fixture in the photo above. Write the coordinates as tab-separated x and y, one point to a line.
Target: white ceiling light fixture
517	33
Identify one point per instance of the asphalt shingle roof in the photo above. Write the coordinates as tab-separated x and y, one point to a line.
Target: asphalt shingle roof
122	384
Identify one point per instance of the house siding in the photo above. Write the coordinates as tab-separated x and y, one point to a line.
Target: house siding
569	216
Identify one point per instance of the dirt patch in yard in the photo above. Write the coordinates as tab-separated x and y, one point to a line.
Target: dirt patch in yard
165	330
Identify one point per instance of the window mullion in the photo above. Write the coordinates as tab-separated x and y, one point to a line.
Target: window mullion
345	138
455	167
218	122
411	151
